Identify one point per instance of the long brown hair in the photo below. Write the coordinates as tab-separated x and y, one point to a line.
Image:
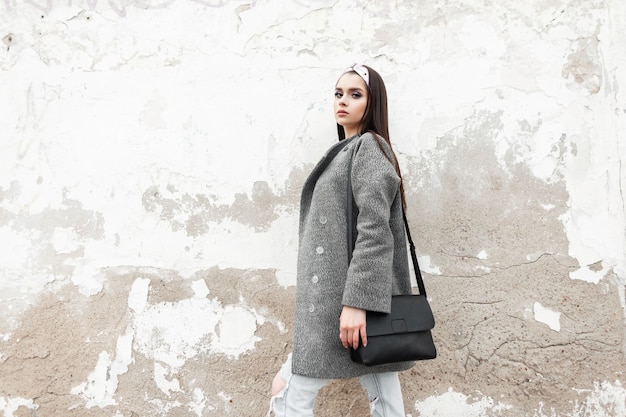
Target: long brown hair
376	120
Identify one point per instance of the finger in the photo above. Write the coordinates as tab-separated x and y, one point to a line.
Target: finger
364	336
355	340
343	336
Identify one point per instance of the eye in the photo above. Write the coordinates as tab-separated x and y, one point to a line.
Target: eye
356	95
338	94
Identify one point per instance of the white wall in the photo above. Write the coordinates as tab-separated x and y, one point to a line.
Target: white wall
152	154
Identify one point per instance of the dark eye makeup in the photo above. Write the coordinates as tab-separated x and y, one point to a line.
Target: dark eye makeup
354	94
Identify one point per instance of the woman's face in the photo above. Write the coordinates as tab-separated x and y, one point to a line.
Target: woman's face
350	102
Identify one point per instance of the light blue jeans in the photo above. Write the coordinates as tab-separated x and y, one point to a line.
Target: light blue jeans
297	398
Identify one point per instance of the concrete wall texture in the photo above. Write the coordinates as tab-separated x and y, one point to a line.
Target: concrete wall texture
152	157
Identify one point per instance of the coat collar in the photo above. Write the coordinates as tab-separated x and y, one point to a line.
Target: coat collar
309	184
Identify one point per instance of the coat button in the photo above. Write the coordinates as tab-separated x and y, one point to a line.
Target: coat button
314	279
311	308
345	149
323	219
319	250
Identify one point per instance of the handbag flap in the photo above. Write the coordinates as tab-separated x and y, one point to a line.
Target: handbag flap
409	313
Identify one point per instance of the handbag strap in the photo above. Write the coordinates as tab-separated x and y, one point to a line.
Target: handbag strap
351	228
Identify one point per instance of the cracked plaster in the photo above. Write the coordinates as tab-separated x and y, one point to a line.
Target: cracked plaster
149	185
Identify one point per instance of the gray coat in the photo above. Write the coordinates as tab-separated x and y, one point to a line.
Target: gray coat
379	266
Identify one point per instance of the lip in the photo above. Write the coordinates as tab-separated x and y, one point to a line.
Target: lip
342	112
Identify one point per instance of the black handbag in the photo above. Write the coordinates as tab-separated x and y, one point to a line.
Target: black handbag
405	333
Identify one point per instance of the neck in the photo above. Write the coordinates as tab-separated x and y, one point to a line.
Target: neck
350	132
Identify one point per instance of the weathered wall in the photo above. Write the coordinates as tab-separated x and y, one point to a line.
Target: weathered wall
152	156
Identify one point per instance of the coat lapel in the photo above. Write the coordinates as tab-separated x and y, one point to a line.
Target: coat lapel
309	184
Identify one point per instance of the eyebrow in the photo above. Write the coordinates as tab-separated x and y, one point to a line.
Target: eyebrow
349	89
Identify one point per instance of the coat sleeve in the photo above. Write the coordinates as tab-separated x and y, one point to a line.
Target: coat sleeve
375	185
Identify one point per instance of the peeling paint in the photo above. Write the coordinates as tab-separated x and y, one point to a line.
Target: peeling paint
586	273
167	386
199	403
583	66
457	404
195	214
606	399
547	316
11	405
101	386
149	199
138	296
175	332
427	265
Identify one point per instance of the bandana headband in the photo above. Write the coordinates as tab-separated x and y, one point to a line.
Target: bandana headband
361	71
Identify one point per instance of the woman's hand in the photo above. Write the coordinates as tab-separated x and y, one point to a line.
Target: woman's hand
351	325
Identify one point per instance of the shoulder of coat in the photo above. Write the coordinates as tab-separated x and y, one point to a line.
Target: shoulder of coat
371	137
381	144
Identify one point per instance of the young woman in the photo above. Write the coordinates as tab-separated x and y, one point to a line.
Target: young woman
333	293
